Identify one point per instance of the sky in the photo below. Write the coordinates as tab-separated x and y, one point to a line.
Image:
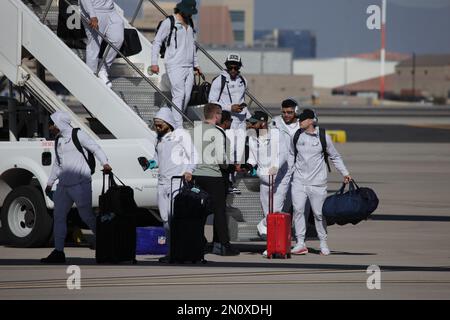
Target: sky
420	26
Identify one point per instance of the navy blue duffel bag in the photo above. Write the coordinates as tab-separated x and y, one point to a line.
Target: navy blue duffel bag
352	206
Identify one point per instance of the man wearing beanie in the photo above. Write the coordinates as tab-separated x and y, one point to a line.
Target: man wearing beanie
308	167
176	156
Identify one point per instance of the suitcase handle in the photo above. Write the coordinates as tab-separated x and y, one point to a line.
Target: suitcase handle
271	183
111	181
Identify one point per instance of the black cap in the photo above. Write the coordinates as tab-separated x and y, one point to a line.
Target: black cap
258	116
307	114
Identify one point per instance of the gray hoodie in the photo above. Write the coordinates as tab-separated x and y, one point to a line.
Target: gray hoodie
72	168
310	168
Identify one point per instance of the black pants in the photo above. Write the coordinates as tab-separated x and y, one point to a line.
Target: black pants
216	188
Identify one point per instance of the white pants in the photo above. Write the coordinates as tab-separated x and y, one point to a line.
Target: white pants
181	82
164	198
164	202
279	195
110	24
316	196
64	198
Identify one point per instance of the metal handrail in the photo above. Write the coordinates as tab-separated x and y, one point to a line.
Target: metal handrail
199	47
133	66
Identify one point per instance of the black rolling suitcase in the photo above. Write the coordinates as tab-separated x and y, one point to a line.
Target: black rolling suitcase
116	224
188	213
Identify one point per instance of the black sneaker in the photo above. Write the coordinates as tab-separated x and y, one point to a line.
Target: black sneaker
55	257
225	250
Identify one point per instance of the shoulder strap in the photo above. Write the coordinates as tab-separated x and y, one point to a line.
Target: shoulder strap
295	140
243	81
76	142
225	140
56	149
222	86
172	26
323	142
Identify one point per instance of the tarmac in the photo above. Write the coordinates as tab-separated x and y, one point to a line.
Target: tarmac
407	237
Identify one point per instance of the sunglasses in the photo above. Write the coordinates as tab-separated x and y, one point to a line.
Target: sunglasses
234	68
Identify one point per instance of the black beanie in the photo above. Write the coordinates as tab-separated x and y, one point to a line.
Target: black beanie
306	114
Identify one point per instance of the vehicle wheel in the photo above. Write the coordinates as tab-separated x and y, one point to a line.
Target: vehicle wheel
25	219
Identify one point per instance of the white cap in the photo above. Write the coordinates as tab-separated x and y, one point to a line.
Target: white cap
165	114
234	57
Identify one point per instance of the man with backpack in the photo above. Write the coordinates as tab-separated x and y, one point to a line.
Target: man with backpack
308	160
228	90
175	41
105	20
72	167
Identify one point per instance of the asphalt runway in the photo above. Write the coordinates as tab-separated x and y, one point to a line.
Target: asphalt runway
407	238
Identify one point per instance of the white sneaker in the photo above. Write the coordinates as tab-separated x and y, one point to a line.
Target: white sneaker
102	74
262	229
264	254
299	249
324	250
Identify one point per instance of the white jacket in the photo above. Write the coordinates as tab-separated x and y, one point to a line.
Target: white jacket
310	168
182	52
268	151
91	7
233	93
72	168
176	155
290	129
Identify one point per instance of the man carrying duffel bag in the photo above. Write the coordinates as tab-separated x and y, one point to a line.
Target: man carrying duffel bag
309	153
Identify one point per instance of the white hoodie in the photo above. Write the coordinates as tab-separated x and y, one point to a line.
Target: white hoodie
290	129
72	168
268	151
175	150
234	89
185	53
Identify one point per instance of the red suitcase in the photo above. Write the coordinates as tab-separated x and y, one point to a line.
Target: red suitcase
278	230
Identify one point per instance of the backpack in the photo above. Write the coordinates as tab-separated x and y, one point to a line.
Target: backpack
224	82
166	43
323	142
90	159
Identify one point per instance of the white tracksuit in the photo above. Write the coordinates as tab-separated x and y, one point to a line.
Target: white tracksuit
74	178
110	24
233	93
180	60
309	181
289	130
176	155
270	150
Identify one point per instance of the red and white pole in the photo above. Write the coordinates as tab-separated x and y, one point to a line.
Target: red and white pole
383	49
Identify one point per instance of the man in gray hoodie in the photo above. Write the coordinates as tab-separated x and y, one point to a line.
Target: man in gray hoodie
309	180
73	173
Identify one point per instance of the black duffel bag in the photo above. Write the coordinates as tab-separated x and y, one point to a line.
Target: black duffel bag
352	206
191	201
118	199
131	44
200	91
